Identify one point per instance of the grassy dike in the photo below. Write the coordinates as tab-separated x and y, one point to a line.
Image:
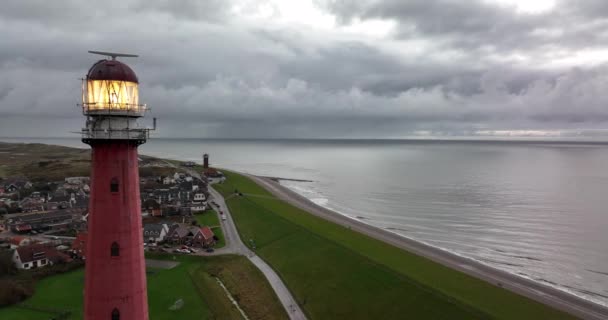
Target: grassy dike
193	281
336	273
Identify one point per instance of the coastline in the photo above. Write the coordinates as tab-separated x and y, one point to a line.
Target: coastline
545	294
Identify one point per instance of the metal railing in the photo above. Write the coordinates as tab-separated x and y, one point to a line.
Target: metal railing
114	134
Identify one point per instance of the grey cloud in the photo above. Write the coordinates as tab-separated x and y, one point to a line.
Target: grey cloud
479	25
206	73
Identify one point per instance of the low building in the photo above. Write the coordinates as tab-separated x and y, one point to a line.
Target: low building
79	245
151	207
204	238
199	196
60	219
197	206
77	180
19	241
212	173
37	256
156	232
182	234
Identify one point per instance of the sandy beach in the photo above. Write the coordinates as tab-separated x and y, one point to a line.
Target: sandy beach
547	295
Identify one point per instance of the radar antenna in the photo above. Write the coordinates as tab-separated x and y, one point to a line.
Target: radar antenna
113	54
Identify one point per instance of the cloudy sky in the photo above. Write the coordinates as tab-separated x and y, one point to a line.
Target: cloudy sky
316	69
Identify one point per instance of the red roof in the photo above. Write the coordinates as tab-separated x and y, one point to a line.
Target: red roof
111	70
207	233
22	227
80	243
17	240
36	252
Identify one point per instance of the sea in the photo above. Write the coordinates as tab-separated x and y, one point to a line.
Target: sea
538	209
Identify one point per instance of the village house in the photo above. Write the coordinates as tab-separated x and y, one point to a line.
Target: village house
188	164
77	180
181	234
191	235
155	232
79	245
16	184
151	207
36	256
60	219
19	241
204	238
197	206
199	196
168	180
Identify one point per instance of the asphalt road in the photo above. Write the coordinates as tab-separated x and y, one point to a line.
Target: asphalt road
234	245
547	295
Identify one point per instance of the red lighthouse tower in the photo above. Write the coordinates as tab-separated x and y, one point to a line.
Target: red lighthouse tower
115	278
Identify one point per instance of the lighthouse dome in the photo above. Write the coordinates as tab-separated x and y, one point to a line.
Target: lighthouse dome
111	70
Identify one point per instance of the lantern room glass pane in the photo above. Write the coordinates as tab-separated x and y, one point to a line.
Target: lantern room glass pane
111	95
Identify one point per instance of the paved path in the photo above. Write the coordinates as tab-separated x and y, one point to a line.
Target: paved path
548	295
234	245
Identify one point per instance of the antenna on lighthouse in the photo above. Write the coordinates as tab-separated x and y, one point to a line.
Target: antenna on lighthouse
113	54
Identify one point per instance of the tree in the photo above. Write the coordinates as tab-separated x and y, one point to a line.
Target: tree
7	267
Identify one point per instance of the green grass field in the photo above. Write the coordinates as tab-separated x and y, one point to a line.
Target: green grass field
193	281
208	218
219	232
336	273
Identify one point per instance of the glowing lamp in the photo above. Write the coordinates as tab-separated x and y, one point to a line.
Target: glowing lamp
111	87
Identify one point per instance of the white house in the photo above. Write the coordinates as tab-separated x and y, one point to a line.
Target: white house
199	196
155	232
35	256
197	206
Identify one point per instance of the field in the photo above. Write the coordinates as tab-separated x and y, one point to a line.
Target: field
193	281
336	273
209	218
43	163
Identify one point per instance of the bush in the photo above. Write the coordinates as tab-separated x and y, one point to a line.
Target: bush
20	286
13	291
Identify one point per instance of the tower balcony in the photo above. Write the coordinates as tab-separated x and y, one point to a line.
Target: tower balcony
139	136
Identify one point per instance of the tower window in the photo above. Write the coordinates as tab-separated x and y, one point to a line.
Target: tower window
115	250
114	185
115	314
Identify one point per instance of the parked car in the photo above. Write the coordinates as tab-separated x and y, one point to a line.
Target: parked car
193	250
209	250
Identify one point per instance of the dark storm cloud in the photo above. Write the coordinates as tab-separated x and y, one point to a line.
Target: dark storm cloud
206	70
480	24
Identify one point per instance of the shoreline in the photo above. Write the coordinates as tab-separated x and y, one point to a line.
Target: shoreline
529	288
363	220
